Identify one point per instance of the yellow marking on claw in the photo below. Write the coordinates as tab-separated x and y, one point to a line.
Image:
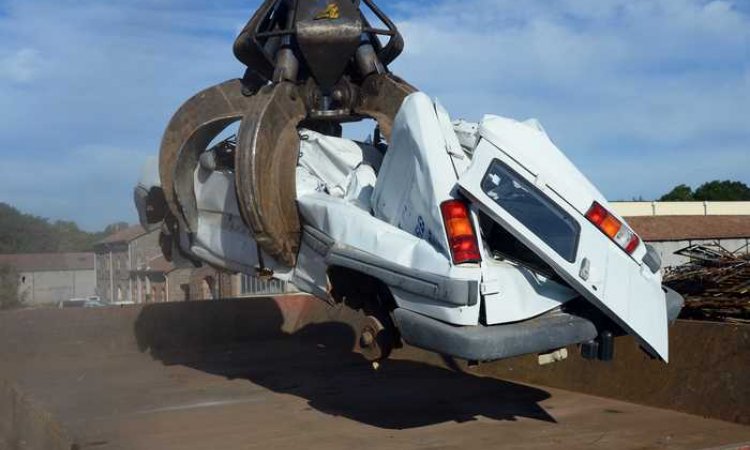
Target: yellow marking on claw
330	13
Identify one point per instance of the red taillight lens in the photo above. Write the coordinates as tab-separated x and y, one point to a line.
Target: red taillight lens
597	214
613	228
461	236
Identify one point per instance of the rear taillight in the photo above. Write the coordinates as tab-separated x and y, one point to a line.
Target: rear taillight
613	228
461	236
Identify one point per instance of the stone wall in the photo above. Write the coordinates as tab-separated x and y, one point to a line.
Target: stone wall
179	285
52	287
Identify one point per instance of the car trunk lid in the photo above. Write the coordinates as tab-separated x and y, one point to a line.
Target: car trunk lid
526	185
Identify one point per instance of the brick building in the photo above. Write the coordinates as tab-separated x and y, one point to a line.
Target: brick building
130	268
673	226
115	257
669	234
157	280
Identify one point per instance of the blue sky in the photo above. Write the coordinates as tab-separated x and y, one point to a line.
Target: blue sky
642	95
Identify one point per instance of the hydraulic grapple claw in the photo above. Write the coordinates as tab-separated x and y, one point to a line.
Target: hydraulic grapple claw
192	128
267	153
317	64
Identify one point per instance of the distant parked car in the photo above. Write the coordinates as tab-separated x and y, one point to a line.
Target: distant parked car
88	302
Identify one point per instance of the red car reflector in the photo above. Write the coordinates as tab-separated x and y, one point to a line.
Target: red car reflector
635	241
462	238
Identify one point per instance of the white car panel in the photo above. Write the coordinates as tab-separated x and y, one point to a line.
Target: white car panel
417	173
457	154
527	144
222	237
350	226
530	147
602	272
517	293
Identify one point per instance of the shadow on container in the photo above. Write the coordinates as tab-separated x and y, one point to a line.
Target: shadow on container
243	339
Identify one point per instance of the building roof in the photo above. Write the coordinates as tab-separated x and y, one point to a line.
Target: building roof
158	264
678	228
49	262
123	236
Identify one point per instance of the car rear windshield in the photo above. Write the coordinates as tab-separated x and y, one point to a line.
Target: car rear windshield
534	210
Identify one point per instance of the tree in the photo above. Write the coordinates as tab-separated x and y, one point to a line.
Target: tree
9	296
726	191
25	233
713	191
681	193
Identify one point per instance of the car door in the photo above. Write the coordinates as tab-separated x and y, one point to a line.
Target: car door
525	184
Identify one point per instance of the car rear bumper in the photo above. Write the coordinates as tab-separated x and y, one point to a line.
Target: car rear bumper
675	302
487	343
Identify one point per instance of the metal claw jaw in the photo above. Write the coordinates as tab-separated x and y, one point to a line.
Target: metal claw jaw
190	131
321	66
266	161
268	150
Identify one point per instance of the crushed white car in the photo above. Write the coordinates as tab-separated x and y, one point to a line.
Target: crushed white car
477	241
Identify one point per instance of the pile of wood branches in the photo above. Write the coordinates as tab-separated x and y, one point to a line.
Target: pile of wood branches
715	283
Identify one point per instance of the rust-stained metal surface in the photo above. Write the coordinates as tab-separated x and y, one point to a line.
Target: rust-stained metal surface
266	161
280	373
382	96
707	372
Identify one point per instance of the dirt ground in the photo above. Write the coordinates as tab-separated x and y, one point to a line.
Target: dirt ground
309	390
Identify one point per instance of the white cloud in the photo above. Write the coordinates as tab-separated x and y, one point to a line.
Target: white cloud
616	83
642	95
101	77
